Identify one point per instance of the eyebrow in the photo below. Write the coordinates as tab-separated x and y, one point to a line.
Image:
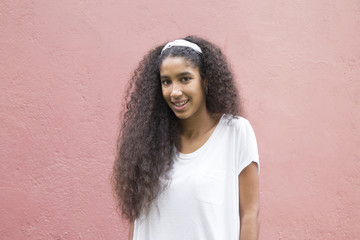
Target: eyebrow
178	75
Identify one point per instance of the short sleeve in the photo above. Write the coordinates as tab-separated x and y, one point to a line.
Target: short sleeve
247	146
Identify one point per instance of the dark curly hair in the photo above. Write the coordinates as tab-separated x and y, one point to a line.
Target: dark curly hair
150	129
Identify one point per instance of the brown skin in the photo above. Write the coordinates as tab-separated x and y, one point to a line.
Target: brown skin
249	202
131	231
181	83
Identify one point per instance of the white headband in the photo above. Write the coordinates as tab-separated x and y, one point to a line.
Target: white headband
182	43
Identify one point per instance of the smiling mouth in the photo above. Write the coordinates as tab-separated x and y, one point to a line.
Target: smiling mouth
180	104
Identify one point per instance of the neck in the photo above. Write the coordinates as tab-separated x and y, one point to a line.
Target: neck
197	125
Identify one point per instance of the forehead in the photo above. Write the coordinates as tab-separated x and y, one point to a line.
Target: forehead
170	64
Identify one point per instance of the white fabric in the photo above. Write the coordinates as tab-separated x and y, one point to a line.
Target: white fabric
202	200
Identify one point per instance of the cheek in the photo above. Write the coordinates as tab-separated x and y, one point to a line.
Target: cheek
165	93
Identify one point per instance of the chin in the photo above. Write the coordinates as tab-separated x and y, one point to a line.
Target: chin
182	116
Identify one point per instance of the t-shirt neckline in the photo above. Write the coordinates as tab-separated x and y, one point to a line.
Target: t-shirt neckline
187	156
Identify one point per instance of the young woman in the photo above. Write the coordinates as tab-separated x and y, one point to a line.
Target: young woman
187	164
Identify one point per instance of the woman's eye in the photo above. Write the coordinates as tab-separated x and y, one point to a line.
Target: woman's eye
185	79
165	82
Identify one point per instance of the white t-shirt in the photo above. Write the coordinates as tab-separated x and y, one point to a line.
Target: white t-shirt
202	200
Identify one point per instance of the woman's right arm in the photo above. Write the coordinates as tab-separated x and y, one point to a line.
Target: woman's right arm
131	231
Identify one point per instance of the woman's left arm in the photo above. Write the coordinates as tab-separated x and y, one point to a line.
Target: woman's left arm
249	202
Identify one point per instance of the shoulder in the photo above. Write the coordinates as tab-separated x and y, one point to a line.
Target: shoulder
237	126
235	122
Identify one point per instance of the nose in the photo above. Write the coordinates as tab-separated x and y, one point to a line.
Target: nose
176	91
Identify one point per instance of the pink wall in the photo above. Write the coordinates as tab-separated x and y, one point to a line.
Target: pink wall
63	67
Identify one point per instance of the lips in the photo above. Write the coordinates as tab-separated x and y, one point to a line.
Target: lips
180	105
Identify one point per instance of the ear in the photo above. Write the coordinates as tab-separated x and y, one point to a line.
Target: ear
204	83
205	86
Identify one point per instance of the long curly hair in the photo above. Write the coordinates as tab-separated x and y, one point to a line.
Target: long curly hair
150	131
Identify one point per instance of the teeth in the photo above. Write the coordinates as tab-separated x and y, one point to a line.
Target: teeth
181	103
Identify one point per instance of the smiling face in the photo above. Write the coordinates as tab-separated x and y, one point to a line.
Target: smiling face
182	87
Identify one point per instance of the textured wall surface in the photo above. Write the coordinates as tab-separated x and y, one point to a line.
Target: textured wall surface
63	68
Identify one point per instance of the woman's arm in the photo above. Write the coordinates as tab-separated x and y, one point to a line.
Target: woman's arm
249	202
131	231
